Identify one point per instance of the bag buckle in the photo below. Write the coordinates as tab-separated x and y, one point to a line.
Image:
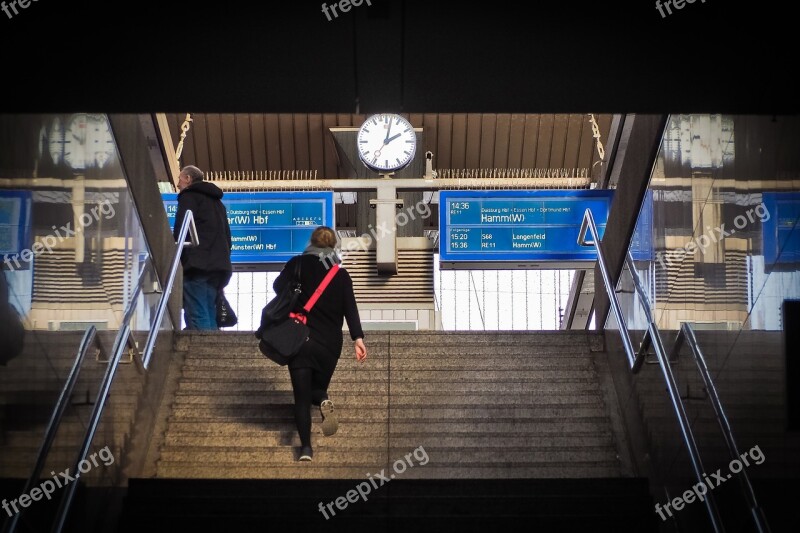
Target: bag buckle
300	317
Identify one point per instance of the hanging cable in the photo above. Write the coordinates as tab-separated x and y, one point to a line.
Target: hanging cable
184	130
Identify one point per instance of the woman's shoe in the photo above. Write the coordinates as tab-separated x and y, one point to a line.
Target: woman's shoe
329	422
306	453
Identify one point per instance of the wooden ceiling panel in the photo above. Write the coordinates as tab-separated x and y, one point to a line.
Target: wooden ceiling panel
501	141
516	138
488	127
559	141
273	139
230	155
331	157
573	141
215	148
459	151
301	141
586	148
258	142
316	142
473	151
443	152
243	142
286	141
530	141
544	143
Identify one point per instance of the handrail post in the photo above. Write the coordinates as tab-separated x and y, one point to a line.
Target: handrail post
588	222
55	421
188	225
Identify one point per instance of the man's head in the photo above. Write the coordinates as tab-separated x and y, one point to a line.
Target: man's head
189	174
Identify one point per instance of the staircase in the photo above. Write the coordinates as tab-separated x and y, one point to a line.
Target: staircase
488	405
477	431
750	378
29	388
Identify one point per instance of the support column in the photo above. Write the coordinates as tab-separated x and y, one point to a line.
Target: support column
386	227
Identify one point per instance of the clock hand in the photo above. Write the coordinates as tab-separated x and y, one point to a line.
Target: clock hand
393	137
388	130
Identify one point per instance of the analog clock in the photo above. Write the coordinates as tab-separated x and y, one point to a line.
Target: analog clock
75	142
88	141
386	142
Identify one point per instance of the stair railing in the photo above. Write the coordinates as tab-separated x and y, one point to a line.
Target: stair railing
635	359
55	419
120	343
686	335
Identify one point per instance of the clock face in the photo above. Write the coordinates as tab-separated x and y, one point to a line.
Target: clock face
386	142
99	142
75	142
88	142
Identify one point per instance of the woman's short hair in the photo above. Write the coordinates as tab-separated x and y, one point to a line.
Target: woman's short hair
323	237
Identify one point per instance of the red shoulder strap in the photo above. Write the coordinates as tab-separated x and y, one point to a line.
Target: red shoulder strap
322	286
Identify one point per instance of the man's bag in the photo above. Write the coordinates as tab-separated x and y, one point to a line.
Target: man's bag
226	317
281	342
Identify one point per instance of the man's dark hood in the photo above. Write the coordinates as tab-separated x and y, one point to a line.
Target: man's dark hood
204	187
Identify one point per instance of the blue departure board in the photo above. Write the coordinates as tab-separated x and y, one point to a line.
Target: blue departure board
779	214
15	221
509	229
269	227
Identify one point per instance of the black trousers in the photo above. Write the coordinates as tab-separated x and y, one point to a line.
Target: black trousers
311	374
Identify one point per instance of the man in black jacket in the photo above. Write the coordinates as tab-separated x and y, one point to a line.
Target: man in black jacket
207	267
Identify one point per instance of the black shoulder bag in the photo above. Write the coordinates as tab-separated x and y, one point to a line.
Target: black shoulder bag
282	304
281	341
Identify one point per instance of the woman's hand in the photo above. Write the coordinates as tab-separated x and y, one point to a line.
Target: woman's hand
361	351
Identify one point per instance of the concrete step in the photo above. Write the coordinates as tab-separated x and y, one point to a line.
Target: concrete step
496	375
343	456
531	427
461	440
396	413
266	398
461	362
309	470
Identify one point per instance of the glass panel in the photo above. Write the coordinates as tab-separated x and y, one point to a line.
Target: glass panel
72	251
724	258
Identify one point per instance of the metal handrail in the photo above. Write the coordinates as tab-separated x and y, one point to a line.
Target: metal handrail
120	343
55	420
188	226
658	346
686	334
